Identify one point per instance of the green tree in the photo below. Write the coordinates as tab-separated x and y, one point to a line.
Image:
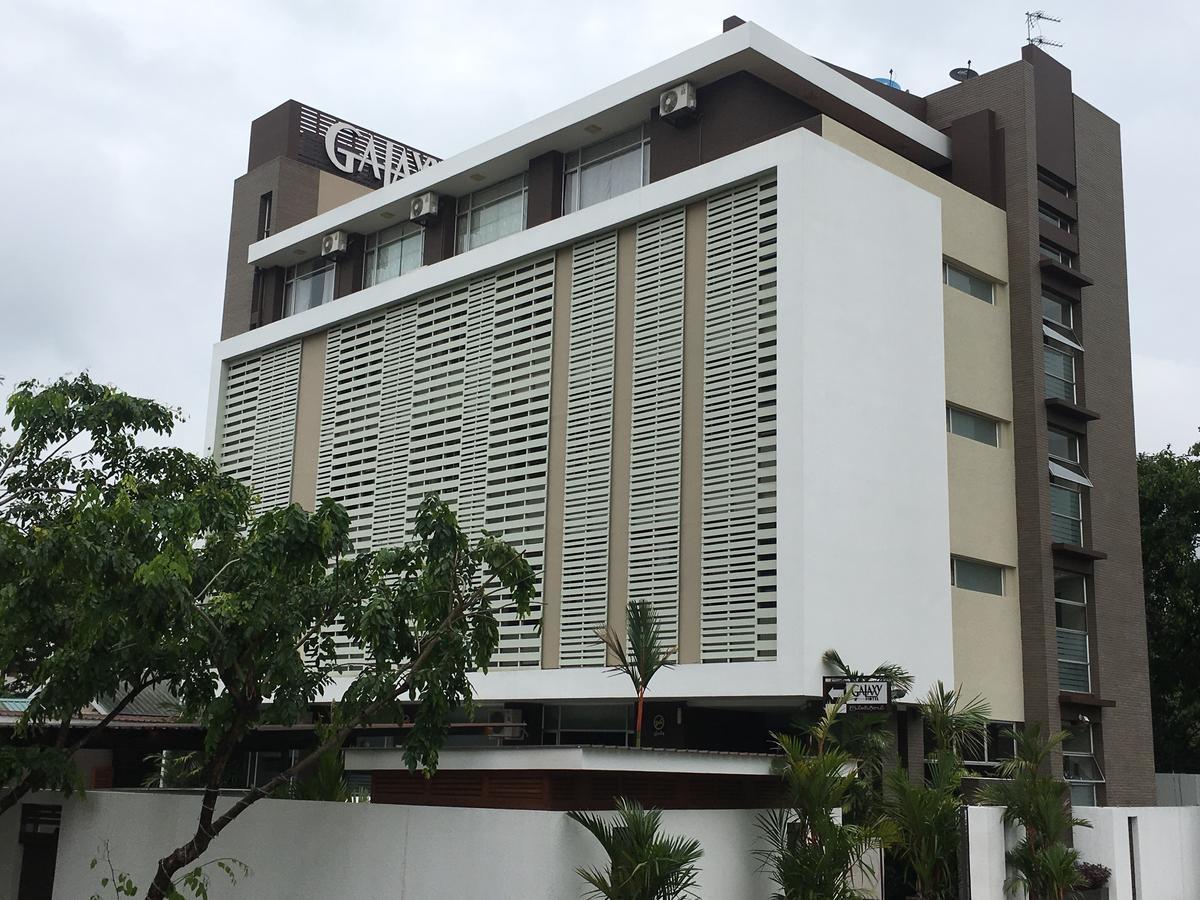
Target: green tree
924	814
424	616
1046	867
99	547
1169	490
810	852
640	654
643	863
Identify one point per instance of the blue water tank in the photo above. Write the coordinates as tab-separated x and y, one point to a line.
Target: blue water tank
889	83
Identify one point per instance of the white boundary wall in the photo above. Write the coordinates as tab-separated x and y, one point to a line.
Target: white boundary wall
1157	847
301	850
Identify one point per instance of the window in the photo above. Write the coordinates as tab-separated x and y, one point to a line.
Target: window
1066	512
491	213
1058	309
1048	214
1059	364
1051	250
393	252
1070	615
973	426
984	753
1063	445
264	215
1079	763
976	576
1055	183
606	169
307	285
967	283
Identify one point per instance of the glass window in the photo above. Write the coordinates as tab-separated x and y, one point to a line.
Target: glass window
1070	614
967	283
1083	794
973	426
1059	364
308	285
1051	250
1066	513
1053	217
989	750
264	215
1063	444
1079	763
606	169
491	213
1058	309
393	252
976	576
1055	183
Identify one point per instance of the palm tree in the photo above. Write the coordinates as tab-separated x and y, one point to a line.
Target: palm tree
811	853
645	654
925	818
866	735
1045	866
951	721
925	813
642	863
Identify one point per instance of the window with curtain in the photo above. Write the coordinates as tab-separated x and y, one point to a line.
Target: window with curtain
606	169
492	213
392	252
1070	613
308	285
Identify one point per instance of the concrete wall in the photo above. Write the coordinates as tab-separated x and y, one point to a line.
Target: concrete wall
1177	790
1156	849
320	850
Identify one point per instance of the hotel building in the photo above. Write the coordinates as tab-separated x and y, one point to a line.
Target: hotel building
802	359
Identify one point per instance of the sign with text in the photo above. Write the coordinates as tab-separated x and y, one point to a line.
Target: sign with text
355	150
866	694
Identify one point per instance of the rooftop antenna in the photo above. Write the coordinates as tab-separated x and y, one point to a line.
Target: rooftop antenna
1033	22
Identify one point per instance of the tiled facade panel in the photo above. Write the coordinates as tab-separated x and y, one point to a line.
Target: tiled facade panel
655	437
449	394
446	395
584	604
737	612
258	422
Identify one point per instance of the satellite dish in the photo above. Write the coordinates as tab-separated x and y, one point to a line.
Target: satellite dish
964	73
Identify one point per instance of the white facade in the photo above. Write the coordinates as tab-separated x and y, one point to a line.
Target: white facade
860	455
315	851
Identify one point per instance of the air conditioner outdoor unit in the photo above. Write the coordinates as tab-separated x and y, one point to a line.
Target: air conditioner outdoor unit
424	207
677	105
334	244
505	724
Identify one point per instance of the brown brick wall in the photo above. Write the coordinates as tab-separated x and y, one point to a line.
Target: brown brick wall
294	186
1119	645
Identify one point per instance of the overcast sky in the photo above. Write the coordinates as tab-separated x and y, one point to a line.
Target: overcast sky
128	122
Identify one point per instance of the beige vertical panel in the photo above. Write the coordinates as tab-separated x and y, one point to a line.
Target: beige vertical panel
618	546
552	577
655	418
308	421
691	471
